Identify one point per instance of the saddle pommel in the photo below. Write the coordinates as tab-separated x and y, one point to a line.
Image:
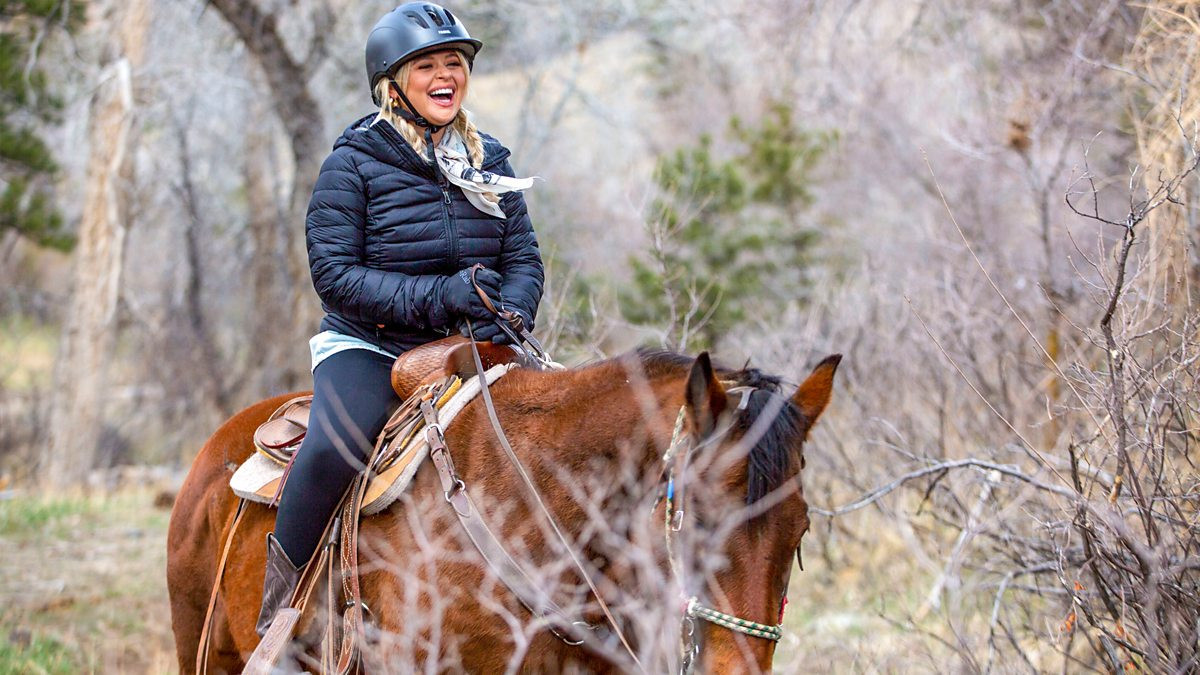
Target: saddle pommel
448	356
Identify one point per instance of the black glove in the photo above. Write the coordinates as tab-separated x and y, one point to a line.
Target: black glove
459	295
486	331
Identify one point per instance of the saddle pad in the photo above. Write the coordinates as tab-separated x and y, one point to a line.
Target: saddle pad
258	478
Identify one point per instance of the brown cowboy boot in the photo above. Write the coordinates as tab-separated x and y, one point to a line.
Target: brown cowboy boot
278	585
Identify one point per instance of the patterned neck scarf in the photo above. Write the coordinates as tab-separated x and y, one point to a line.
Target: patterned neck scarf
482	188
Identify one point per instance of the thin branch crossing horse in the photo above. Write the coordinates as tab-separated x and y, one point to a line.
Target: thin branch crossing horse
675	484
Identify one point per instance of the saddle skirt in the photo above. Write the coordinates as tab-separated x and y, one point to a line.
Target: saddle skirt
261	477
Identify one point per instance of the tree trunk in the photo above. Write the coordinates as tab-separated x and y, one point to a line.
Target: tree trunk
285	84
199	347
81	381
270	285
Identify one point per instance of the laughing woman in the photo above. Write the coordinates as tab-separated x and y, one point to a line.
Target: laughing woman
410	198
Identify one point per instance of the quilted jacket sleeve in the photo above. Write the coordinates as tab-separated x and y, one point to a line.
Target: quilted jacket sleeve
520	260
335	231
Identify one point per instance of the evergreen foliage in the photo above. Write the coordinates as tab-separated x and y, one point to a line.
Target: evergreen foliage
728	232
27	169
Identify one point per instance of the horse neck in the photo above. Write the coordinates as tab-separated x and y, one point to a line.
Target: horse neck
626	417
602	423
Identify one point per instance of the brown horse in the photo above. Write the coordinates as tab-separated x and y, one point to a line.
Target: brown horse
593	441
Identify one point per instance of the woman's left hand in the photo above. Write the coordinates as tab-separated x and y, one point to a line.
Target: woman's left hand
486	331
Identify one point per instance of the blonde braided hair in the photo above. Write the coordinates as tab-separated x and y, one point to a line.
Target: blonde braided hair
416	137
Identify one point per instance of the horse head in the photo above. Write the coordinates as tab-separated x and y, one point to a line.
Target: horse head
736	508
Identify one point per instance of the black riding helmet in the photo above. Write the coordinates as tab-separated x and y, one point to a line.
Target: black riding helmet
409	31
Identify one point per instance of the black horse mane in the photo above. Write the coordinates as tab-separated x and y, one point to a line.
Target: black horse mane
770	460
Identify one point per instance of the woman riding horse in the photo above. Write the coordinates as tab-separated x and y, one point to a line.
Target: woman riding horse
708	460
677	485
411	198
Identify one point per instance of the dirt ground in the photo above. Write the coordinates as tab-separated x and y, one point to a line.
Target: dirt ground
83	585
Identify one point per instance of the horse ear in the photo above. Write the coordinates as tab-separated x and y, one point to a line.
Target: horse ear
705	396
814	393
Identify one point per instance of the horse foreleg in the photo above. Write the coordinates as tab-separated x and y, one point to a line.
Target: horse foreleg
193	543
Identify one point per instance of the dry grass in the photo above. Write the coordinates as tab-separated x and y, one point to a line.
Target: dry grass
83	585
27	353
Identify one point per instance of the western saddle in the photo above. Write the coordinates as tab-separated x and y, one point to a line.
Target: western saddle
281	435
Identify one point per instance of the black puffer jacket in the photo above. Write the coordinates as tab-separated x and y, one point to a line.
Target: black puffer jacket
385	232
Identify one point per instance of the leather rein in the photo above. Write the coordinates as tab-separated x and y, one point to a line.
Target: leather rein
512	324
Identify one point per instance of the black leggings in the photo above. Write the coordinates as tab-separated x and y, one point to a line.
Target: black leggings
352	400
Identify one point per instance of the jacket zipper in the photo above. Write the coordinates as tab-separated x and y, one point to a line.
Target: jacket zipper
451	230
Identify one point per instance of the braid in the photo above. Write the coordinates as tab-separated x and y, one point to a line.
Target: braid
464	126
411	133
474	141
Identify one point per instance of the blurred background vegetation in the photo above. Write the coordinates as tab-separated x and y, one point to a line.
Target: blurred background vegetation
772	180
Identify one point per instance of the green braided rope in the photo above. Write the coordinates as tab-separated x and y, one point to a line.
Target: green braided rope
759	630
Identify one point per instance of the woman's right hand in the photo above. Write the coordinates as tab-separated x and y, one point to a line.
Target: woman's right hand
460	297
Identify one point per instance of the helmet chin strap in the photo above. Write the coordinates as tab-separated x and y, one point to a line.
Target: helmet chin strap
411	115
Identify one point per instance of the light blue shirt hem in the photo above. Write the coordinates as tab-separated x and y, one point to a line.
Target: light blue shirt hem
327	343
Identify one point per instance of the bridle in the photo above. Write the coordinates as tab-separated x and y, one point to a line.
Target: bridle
675	461
675	465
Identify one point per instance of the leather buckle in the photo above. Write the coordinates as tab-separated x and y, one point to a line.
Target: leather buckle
455	488
350	603
456	497
677	520
433	434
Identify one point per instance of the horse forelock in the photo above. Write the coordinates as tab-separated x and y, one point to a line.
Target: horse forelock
772	457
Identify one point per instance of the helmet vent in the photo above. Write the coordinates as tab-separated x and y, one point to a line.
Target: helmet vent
417	19
433	14
450	18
